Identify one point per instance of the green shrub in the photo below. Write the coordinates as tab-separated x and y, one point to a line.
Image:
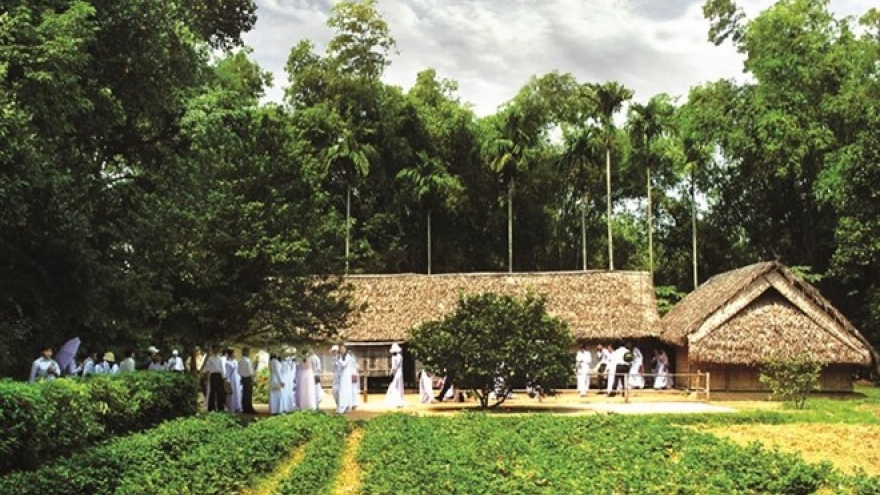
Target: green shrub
40	422
791	379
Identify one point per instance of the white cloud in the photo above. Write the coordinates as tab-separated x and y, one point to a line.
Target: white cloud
492	47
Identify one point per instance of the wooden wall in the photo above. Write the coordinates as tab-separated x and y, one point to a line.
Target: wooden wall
736	378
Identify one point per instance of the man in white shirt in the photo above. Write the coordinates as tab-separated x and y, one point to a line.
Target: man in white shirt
128	363
44	367
214	368
618	368
246	371
583	361
603	357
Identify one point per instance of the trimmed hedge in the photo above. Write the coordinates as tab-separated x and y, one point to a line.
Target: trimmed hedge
43	421
213	454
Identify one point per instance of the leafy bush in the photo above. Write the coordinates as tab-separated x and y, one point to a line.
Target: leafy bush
39	422
493	342
791	379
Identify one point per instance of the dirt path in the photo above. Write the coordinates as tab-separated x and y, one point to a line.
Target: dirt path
268	485
348	482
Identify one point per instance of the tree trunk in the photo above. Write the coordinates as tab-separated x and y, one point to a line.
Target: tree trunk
694	226
650	226
608	199
510	187
584	232
429	241
347	225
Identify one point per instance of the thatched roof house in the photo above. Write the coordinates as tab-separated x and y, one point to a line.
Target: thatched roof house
739	318
597	305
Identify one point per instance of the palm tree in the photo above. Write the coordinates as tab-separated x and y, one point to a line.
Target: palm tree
432	185
609	97
353	159
507	151
580	157
696	154
647	123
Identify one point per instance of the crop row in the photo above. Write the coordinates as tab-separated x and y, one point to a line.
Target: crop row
475	453
205	455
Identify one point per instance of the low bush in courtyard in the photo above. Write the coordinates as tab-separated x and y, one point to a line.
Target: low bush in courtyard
42	421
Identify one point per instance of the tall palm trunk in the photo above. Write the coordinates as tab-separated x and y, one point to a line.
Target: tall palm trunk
584	231
510	186
694	226
429	241
608	199
347	225
650	226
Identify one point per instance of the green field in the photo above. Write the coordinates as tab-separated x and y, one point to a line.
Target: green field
465	453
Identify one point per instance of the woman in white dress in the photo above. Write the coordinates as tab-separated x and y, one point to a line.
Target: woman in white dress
426	387
348	381
233	399
334	356
276	384
288	374
306	397
661	368
318	370
636	368
394	396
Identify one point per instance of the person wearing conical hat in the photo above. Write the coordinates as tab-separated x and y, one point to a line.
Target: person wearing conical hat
394	396
108	365
175	362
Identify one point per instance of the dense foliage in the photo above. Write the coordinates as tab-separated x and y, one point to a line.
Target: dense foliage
148	194
214	454
493	343
476	453
39	422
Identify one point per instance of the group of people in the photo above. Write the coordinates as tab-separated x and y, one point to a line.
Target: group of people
227	383
47	368
617	366
295	383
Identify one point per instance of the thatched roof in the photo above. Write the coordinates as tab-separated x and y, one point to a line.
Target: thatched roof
600	305
746	315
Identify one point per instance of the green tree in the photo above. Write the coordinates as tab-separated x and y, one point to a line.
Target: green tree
433	185
494	340
647	123
580	165
609	98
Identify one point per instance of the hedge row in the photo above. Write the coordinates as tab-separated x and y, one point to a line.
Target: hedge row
214	454
43	421
321	463
550	455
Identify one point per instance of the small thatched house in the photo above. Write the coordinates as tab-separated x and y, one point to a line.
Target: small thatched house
599	306
737	319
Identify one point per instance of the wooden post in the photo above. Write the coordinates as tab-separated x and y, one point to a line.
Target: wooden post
626	388
365	387
708	386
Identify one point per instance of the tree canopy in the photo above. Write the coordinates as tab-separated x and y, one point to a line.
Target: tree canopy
150	195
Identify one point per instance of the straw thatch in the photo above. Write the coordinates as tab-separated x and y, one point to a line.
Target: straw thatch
598	305
747	315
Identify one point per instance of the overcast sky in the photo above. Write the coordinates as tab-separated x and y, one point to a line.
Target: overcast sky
493	47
